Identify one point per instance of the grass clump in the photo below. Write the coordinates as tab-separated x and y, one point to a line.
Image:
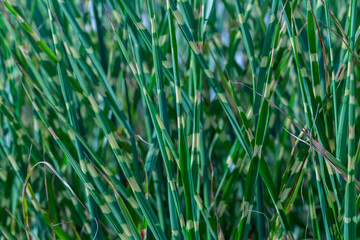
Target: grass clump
196	119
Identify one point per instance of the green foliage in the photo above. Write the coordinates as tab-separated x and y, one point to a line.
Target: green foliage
193	119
